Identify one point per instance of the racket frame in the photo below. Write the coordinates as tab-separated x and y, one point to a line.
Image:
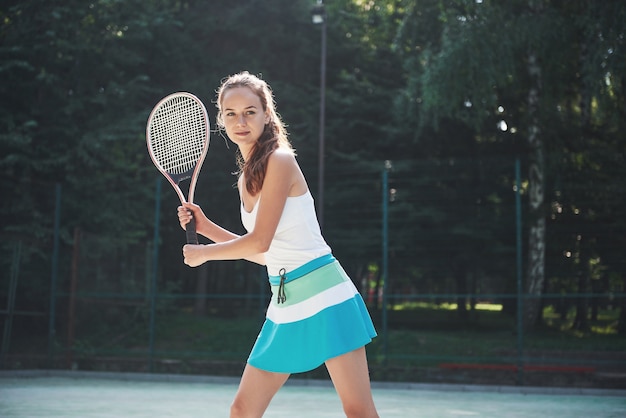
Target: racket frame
173	178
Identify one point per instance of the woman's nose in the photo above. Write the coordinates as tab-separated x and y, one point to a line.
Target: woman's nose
241	120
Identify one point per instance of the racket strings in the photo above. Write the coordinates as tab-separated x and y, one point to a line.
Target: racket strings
177	132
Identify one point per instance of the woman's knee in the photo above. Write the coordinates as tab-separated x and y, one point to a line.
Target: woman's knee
238	409
359	410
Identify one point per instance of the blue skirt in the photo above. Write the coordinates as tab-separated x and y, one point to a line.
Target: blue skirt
314	315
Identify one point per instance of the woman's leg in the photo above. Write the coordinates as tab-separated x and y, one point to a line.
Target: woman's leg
256	390
350	376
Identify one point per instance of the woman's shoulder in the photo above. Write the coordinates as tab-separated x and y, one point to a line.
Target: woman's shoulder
284	167
283	152
282	156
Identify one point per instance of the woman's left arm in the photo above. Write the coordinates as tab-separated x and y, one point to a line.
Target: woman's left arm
281	171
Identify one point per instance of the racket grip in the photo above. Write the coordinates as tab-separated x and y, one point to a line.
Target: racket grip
190	230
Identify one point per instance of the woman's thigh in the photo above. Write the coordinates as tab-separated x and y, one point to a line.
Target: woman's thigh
350	376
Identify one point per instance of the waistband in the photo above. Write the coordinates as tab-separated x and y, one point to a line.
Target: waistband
302	270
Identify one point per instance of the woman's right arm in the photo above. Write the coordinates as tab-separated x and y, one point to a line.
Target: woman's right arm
210	229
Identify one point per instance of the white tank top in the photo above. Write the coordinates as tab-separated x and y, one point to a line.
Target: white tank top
298	238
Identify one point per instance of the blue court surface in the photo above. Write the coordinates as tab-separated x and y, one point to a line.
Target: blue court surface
94	394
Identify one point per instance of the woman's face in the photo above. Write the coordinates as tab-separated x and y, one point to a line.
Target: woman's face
243	116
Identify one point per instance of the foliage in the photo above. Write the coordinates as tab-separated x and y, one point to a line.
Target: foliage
426	85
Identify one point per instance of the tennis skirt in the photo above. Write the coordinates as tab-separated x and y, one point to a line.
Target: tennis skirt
314	315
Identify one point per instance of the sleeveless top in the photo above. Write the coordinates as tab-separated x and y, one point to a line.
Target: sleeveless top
298	238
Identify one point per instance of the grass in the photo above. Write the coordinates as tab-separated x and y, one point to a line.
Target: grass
427	335
420	335
444	306
226	338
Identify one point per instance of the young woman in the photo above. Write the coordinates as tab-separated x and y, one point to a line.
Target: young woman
316	315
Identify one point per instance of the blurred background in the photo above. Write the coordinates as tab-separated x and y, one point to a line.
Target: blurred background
467	158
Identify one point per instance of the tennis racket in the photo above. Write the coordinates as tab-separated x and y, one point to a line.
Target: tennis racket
178	140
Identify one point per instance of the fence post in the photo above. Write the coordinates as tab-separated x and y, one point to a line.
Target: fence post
385	255
520	299
155	264
71	316
54	274
8	320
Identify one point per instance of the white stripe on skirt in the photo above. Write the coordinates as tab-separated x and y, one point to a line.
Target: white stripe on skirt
309	307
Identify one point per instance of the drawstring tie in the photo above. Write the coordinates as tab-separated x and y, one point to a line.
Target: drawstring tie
281	298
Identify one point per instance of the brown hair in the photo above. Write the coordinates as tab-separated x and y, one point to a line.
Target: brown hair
274	134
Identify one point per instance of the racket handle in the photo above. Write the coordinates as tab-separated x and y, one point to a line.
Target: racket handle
190	229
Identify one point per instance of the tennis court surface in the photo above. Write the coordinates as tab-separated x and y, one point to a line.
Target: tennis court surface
93	394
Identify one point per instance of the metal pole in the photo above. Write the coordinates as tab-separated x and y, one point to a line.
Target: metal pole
320	183
385	262
155	264
54	274
69	353
8	320
520	299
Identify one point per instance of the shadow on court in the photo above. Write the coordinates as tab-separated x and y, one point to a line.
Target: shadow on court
77	394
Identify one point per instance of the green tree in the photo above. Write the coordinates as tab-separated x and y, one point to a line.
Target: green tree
72	105
519	56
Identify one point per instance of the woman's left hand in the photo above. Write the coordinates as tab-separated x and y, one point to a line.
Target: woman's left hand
194	255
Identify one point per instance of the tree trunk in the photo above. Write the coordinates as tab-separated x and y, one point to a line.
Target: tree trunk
581	321
621	324
459	271
537	221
